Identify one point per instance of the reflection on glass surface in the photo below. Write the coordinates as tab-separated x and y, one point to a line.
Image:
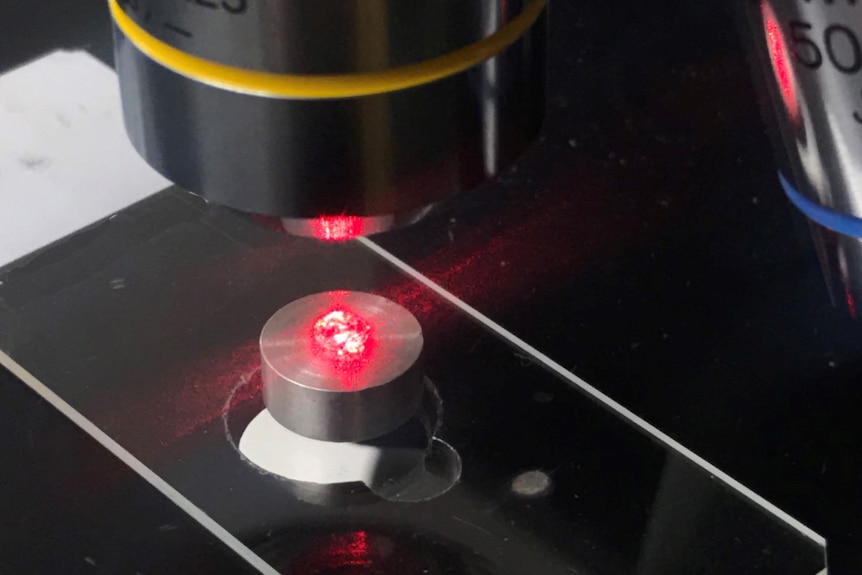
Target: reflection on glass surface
619	503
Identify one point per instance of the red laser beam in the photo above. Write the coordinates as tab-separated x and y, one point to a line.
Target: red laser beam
338	228
344	341
779	56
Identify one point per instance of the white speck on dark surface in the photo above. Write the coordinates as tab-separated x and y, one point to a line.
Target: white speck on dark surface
90	561
532	483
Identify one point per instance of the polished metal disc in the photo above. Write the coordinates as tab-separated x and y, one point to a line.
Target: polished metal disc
342	366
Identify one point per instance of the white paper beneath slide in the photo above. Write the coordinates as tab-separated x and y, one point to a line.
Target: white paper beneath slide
65	159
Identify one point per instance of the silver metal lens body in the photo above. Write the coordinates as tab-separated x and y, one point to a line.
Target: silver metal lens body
342	366
811	56
375	155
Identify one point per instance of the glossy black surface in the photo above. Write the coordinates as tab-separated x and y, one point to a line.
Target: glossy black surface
645	243
68	506
160	360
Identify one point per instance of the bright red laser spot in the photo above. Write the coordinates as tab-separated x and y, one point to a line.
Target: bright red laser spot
338	228
778	55
342	334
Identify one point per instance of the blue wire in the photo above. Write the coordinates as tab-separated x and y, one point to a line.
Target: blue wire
826	217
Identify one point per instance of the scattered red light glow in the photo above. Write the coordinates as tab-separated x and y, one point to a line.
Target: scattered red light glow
351	553
778	55
357	548
342	333
338	228
362	553
851	302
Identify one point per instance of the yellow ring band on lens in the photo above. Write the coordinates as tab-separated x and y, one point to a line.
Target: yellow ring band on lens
314	86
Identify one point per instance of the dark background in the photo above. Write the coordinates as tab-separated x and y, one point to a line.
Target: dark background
644	243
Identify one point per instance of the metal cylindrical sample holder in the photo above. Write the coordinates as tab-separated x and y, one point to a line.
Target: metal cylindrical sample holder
811	56
342	366
312	108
